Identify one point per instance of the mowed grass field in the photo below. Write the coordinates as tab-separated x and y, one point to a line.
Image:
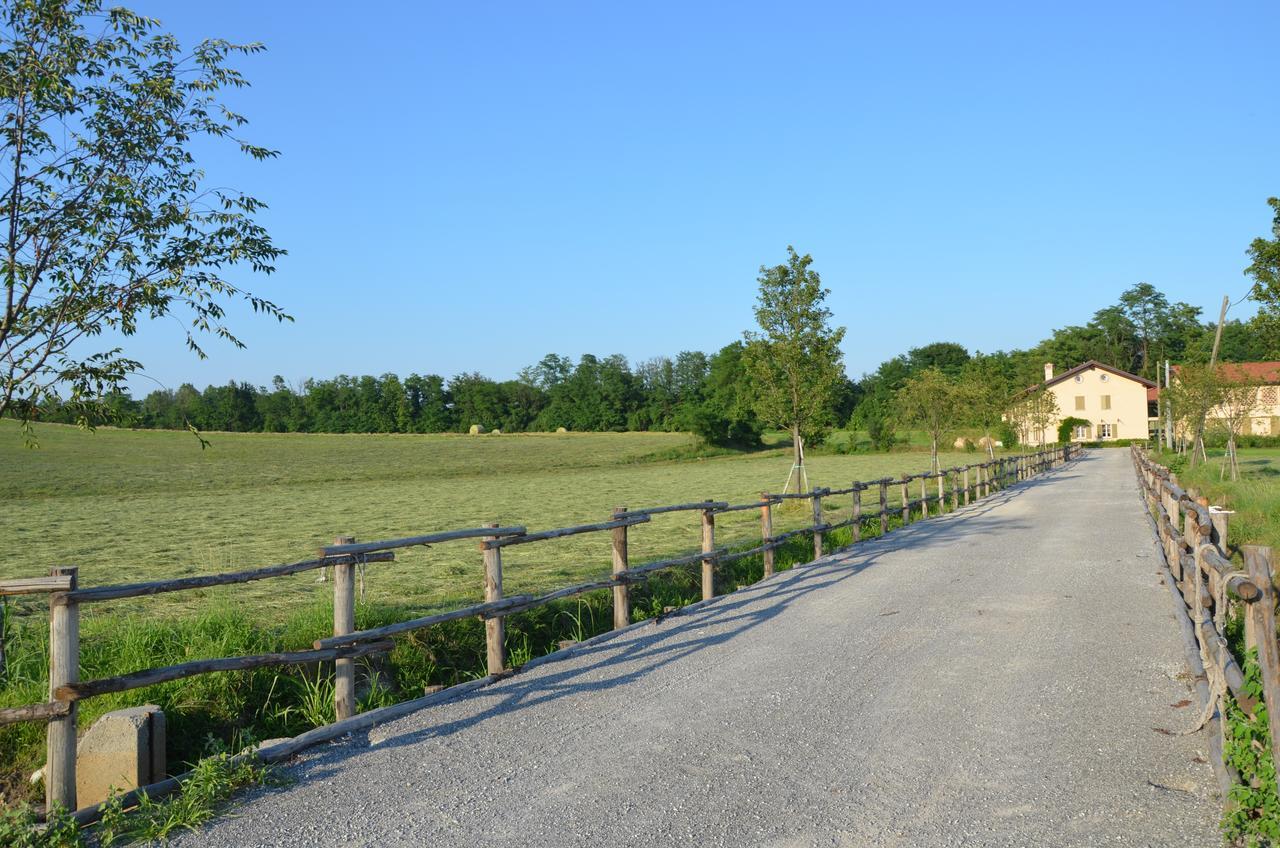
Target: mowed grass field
126	505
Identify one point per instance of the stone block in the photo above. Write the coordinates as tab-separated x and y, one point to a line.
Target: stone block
123	750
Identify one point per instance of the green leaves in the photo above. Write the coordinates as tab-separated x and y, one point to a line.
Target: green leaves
107	219
1253	817
932	401
795	360
1264	269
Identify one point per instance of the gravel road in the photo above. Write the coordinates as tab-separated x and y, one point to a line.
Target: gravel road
995	677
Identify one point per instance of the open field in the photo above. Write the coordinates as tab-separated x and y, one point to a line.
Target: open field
127	506
1255	497
135	505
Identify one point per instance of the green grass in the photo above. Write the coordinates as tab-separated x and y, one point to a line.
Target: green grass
127	506
1253	817
1255	497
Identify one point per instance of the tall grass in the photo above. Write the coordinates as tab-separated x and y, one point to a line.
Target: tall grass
1255	498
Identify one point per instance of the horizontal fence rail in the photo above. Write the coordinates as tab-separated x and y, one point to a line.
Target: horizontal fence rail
1193	538
957	486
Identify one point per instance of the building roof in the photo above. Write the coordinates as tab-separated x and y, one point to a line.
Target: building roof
1153	394
1093	363
1251	372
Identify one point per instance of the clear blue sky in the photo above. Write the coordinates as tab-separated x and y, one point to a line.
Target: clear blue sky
469	186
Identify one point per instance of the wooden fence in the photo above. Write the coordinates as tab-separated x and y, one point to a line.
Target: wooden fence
1193	537
955	487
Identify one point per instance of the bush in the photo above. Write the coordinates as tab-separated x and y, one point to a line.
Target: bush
880	431
1006	434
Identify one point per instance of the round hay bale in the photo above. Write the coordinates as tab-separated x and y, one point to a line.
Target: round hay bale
495	432
961	443
986	442
476	430
561	430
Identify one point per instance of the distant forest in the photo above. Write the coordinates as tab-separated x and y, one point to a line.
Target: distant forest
707	394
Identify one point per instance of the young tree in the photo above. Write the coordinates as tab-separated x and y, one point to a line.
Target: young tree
1043	413
932	401
984	396
1237	401
1190	398
107	217
1032	414
795	359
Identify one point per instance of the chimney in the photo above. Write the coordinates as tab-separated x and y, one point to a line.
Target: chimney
1048	371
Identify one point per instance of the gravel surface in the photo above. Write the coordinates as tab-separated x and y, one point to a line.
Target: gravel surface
996	677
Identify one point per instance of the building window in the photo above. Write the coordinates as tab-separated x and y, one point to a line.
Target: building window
1079	401
1104	431
1106	401
1082	433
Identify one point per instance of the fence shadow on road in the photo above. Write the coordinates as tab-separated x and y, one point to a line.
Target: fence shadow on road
634	655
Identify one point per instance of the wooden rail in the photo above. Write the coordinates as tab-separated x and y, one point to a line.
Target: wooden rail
346	556
1193	540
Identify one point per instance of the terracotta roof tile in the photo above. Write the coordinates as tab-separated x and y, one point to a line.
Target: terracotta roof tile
1259	372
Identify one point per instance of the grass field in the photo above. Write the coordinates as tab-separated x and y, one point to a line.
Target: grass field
135	505
1255	497
127	506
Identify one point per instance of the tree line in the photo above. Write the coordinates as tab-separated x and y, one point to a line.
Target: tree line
716	396
704	393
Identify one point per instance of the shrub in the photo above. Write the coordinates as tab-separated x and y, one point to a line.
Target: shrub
880	431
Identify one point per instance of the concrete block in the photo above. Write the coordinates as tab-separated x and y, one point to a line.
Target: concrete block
123	750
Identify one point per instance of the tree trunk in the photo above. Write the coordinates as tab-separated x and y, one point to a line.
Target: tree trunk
933	456
797	450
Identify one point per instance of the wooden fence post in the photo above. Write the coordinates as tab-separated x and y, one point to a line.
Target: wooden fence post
495	629
816	497
856	527
64	668
4	625
621	594
766	532
1190	539
1257	559
924	496
884	505
1220	519
942	484
708	561
966	485
906	501
344	622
